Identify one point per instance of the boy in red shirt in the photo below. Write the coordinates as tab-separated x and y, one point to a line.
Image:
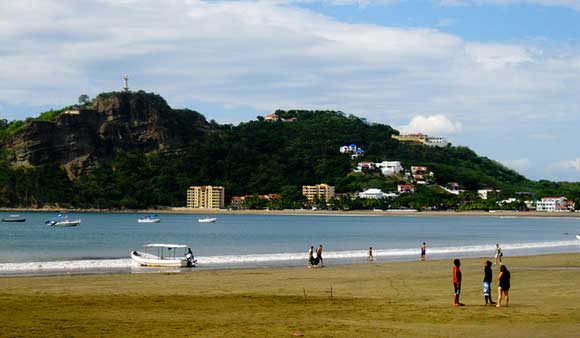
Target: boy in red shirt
457	282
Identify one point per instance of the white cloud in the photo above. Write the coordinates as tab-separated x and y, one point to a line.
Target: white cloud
517	164
569	164
436	125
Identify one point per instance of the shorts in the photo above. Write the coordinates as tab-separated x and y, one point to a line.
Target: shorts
486	289
456	289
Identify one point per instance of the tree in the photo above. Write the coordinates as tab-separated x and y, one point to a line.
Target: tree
84	99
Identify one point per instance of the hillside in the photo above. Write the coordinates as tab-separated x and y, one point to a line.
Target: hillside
130	149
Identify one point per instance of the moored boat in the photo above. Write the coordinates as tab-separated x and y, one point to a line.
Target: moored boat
207	220
166	256
62	221
14	218
149	219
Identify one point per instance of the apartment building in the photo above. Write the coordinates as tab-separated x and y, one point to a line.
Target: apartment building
319	191
205	197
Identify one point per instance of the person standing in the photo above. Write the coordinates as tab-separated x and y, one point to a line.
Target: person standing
498	254
371	258
319	255
487	278
423	251
504	286
457	282
311	256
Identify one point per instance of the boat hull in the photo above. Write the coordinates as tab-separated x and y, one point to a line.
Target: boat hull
150	220
14	220
145	259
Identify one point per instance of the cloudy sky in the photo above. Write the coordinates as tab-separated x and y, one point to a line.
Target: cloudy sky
499	76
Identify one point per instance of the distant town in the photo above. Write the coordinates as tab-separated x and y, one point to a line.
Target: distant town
322	196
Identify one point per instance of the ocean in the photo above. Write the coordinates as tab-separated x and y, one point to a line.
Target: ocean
102	243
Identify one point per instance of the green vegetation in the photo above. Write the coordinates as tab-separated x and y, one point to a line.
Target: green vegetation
262	157
405	299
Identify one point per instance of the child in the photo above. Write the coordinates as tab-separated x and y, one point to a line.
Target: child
504	286
457	282
487	277
498	254
371	258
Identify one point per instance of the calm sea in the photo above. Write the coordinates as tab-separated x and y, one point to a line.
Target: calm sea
103	241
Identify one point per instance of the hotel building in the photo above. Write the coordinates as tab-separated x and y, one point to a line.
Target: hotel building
205	197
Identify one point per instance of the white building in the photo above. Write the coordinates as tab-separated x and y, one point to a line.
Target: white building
436	141
551	204
484	193
390	167
372	194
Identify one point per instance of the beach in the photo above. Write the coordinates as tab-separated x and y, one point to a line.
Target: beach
382	299
309	212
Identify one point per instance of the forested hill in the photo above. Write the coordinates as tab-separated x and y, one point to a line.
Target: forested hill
132	150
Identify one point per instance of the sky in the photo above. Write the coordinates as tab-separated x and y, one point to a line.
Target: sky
499	76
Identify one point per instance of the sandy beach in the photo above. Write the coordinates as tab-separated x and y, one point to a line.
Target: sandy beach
395	299
492	213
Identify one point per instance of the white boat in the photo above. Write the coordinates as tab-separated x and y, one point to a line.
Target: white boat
149	219
62	221
166	256
207	220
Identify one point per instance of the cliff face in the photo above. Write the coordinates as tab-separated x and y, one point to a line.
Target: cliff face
117	122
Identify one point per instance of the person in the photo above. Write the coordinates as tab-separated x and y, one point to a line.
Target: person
311	260
504	286
498	254
371	258
457	282
319	255
487	278
423	251
190	259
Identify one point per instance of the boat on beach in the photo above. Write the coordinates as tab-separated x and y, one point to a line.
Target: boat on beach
207	220
62	221
13	219
149	219
166	256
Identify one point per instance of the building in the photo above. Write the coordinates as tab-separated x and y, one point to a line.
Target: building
372	194
390	167
419	173
430	141
405	188
205	197
319	191
352	149
554	203
484	193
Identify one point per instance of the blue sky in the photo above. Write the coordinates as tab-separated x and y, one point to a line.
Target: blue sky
499	76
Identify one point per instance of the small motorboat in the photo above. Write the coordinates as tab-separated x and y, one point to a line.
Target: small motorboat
14	218
149	219
166	256
62	221
207	220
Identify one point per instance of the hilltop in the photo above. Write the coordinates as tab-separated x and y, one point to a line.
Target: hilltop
132	150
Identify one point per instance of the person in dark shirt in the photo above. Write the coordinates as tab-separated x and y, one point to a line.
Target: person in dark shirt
456	282
504	286
487	278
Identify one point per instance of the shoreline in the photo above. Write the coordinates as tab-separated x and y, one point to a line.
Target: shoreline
297	212
390	299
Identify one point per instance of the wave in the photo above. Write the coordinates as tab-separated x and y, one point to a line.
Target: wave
272	259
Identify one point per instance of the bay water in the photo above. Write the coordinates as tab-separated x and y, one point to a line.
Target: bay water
103	241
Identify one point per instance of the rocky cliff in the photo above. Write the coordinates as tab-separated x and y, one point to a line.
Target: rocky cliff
113	123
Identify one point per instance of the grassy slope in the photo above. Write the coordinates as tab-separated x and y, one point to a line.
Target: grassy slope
375	300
